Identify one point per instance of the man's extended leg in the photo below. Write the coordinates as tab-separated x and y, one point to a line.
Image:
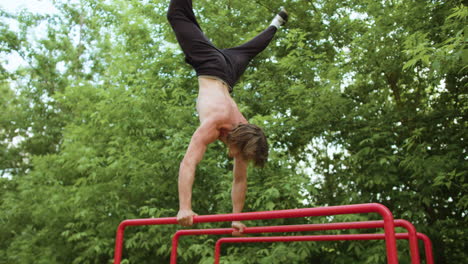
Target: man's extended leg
243	54
199	52
256	45
193	42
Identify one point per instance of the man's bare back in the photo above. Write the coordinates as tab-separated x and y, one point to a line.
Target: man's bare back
215	104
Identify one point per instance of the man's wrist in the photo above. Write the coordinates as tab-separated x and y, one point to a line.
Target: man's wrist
185	206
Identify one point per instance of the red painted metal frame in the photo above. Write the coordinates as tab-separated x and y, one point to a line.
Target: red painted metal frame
221	241
427	247
413	240
390	239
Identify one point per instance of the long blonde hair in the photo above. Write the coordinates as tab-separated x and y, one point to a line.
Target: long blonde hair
251	141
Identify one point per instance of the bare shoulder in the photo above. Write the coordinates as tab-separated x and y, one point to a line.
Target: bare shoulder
207	132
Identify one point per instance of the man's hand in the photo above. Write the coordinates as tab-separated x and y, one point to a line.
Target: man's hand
239	228
185	217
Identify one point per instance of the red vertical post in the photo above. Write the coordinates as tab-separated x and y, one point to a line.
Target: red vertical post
427	248
119	243
390	240
413	239
186	232
136	222
175	243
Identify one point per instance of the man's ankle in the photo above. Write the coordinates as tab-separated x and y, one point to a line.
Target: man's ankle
280	19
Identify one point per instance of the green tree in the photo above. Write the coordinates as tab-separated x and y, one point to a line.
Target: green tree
386	117
363	101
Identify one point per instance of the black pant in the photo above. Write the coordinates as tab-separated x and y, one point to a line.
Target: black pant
206	59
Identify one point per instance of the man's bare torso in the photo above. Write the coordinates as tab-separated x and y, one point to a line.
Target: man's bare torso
215	104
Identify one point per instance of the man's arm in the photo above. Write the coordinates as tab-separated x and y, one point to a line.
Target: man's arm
204	135
239	189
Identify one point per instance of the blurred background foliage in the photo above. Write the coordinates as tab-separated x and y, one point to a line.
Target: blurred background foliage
362	101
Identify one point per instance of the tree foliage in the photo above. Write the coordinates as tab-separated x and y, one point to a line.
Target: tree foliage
362	100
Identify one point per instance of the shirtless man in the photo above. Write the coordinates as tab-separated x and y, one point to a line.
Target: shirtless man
220	119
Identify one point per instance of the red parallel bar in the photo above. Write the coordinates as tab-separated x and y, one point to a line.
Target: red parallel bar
414	249
427	247
390	240
413	239
312	238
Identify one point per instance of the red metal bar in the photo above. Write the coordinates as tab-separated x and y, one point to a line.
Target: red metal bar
413	240
312	238
190	232
392	255
427	247
136	222
414	250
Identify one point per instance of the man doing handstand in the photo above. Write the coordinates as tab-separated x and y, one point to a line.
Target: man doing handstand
218	70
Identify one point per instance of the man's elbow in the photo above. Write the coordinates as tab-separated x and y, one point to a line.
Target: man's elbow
187	164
